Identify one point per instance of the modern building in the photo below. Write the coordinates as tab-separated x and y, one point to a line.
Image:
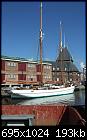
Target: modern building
23	71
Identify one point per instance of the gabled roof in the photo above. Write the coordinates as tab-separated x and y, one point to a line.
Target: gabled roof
67	61
69	66
65	55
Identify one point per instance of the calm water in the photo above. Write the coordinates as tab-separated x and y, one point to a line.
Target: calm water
75	99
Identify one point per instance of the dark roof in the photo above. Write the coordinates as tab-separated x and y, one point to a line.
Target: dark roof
67	61
65	55
69	66
65	64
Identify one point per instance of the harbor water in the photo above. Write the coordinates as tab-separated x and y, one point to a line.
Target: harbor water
75	99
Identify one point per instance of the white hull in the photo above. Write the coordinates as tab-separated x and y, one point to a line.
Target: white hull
43	92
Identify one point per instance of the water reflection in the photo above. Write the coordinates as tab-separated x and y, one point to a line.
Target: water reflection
80	97
74	99
49	100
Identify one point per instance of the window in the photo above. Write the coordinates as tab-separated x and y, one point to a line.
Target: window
11	64
57	79
57	68
48	67
12	76
53	68
29	76
14	64
8	63
70	79
31	65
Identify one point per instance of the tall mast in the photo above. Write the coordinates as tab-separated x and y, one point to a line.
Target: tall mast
64	41
61	53
41	41
60	36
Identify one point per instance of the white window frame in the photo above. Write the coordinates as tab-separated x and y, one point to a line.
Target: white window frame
57	79
70	79
31	65
57	68
11	76
12	64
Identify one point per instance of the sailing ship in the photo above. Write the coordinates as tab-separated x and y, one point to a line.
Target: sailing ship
43	91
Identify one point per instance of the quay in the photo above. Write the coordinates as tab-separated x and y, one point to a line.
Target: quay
4	94
80	87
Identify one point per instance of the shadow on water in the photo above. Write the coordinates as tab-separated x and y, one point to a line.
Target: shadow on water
49	100
75	99
79	97
9	101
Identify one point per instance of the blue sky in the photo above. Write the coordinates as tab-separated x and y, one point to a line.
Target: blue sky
21	24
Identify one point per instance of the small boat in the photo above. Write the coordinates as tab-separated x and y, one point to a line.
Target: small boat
41	92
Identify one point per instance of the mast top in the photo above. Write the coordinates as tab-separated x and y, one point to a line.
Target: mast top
60	36
41	4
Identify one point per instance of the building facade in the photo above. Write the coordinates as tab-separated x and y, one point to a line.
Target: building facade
64	70
22	71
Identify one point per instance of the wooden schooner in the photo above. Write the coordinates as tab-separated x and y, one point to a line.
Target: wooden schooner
43	91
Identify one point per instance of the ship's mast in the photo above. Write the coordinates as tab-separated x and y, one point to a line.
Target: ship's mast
41	42
64	41
60	37
61	61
